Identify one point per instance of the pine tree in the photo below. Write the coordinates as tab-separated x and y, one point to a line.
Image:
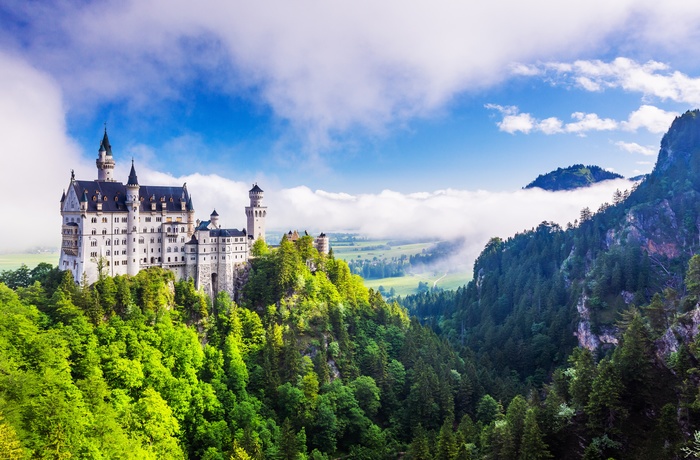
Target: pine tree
532	446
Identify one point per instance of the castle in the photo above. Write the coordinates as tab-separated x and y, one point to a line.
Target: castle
114	229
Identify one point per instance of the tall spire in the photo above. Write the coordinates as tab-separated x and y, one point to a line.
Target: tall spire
133	180
104	145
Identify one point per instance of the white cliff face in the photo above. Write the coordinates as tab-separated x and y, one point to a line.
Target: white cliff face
586	338
684	330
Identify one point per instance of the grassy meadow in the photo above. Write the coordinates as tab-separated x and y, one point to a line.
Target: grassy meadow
14	261
403	285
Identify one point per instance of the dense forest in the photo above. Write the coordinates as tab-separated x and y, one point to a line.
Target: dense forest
309	364
572	177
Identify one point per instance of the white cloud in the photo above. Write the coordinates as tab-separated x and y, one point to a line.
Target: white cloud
651	79
589	122
651	118
36	158
329	67
440	214
633	147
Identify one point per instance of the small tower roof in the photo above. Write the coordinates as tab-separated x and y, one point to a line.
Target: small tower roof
104	145
214	214
133	180
256	189
63	196
190	206
85	197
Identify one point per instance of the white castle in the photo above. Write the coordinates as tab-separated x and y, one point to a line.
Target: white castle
120	229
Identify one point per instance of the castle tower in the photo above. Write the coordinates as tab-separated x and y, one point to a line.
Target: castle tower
133	203
105	161
256	214
214	219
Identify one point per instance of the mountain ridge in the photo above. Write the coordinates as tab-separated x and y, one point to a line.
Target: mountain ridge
572	177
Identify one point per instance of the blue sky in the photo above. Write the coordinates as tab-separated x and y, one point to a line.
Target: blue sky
346	100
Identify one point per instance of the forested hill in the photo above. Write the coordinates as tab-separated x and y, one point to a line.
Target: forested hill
618	282
573	177
308	365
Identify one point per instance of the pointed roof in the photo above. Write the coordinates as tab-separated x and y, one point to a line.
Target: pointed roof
214	214
190	206
104	145
63	196
256	188
133	180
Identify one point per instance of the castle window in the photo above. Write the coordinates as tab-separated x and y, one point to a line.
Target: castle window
148	219
105	198
169	249
182	229
182	240
168	259
107	253
94	231
94	198
93	243
159	219
116	219
159	240
175	249
116	198
171	199
104	231
93	220
124	240
152	230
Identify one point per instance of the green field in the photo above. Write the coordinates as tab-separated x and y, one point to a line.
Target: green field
369	250
406	285
14	261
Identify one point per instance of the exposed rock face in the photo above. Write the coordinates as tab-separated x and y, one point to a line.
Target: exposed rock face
586	338
683	331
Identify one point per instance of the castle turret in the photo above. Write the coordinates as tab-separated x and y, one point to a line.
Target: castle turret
256	214
105	162
133	202
214	219
190	216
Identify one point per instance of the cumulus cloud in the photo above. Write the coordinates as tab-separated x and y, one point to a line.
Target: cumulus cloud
328	67
633	147
651	78
653	119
